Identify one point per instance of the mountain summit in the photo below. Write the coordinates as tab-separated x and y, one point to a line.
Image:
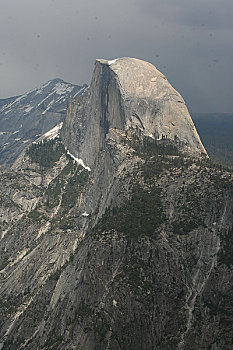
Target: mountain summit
133	96
113	233
24	118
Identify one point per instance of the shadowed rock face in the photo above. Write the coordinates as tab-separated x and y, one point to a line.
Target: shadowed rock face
135	254
130	95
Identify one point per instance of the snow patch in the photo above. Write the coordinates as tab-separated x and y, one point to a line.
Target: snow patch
9	110
52	93
17	100
62	99
43	230
51	134
46	84
61	88
37	92
112	61
78	160
75	245
3	235
48	107
8	106
81	91
28	108
85	214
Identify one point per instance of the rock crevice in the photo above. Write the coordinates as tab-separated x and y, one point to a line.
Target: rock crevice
130	95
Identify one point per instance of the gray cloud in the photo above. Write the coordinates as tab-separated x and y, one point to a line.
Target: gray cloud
210	14
190	41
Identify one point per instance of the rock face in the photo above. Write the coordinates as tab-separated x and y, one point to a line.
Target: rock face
24	118
154	273
122	241
130	95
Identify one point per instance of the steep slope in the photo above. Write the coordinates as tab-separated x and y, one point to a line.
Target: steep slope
129	245
133	96
145	277
25	118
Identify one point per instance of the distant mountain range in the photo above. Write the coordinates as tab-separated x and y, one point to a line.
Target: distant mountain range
216	131
25	118
115	228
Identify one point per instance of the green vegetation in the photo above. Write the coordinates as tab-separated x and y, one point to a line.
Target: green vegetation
134	267
142	214
35	215
65	223
156	165
159	156
213	163
186	225
83	310
75	185
101	326
53	191
53	342
9	304
138	216
73	178
55	276
190	211
150	147
46	153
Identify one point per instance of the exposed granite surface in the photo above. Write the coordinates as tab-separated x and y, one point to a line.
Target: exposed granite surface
130	95
134	254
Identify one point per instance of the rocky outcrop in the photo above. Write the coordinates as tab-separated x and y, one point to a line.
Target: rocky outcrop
129	236
24	118
145	277
130	95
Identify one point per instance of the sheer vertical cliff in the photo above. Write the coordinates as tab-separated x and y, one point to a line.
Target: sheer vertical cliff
127	243
130	95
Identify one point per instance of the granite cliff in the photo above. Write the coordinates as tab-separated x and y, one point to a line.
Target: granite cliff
129	95
117	230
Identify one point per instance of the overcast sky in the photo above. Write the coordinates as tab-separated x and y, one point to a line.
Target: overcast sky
190	41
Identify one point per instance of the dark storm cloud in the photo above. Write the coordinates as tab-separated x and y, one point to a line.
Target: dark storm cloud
208	13
190	41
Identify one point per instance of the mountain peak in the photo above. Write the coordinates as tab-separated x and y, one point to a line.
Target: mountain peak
26	117
152	103
133	96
